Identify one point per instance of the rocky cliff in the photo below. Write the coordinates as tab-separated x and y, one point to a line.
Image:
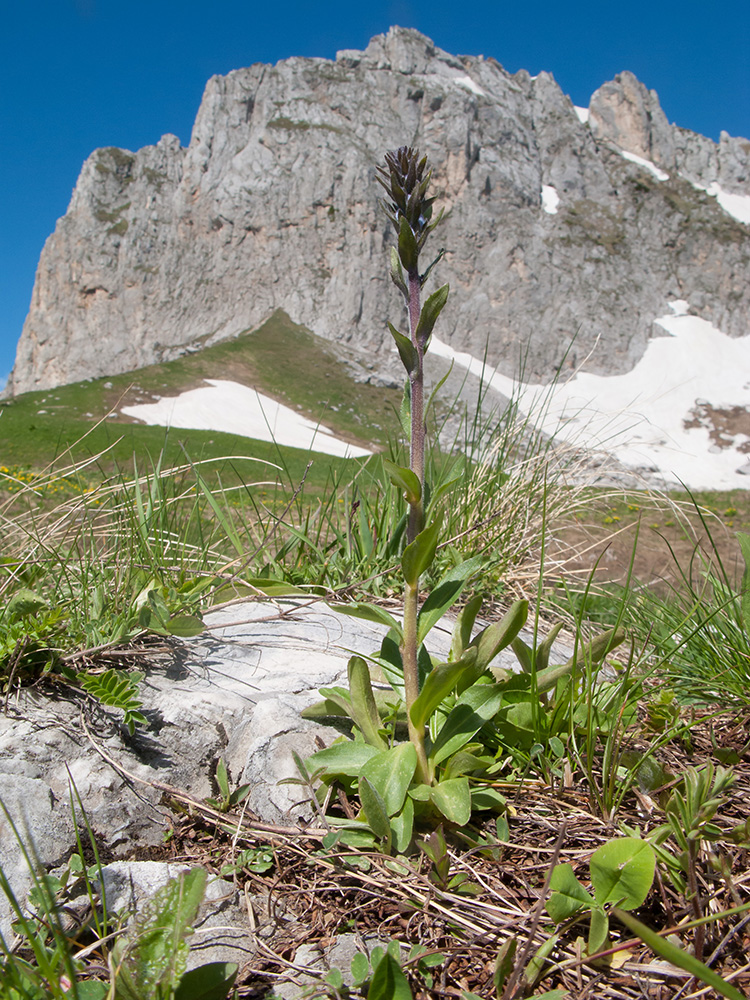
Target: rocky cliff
562	226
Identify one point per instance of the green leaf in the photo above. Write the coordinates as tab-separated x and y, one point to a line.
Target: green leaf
475	707
91	990
404	479
744	540
374	810
533	970
504	962
622	872
406	350
367	612
465	762
592	653
496	637
397	274
151	959
212	981
389	982
464	625
364	710
24	602
222	778
439	683
336	702
404	413
391	772
347	758
335	979
418	556
598	930
185	626
682	959
429	314
402	827
407	246
445	595
360	968
567	895
487	798
453	799
420	793
119	689
274	588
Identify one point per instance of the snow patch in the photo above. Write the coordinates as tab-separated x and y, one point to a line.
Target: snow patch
679	307
550	199
468	83
736	205
662	415
232	408
583	114
652	168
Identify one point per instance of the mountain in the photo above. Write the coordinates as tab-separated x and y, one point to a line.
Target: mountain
564	227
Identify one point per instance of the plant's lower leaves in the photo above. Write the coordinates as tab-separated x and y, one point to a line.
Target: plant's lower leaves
404	479
364	710
388	981
453	799
347	758
402	827
598	930
567	895
390	773
374	810
487	798
534	969
496	637
622	872
212	981
274	588
438	684
185	626
464	624
369	613
92	990
23	602
504	962
475	707
362	838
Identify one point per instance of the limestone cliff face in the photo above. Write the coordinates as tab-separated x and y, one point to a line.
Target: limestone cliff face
274	205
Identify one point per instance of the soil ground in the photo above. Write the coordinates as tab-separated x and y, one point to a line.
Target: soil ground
662	537
314	895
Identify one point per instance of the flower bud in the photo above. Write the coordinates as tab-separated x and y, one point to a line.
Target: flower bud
406	178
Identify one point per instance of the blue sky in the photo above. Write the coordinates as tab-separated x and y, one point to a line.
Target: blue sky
79	74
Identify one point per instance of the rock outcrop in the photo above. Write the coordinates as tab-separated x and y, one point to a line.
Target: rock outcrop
553	237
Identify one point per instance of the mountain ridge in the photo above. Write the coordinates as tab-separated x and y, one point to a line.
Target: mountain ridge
555	237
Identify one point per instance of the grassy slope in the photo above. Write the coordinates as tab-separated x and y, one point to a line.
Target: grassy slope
37	427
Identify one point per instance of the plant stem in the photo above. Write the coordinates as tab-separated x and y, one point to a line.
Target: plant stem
416	523
411	679
416	513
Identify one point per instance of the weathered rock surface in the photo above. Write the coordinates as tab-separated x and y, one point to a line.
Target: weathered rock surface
234	692
221	932
274	205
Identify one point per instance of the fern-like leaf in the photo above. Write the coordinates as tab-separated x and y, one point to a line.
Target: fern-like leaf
120	690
